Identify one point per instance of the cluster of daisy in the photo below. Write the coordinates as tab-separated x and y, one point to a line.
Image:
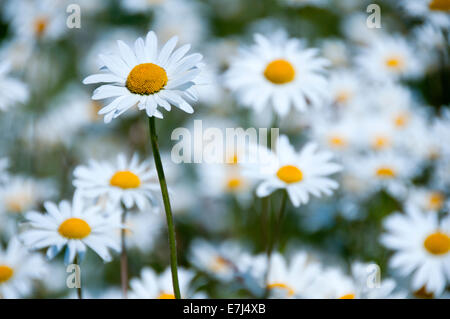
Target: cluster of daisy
350	201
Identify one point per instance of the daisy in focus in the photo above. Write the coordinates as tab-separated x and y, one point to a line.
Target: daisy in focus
127	182
147	77
422	248
12	91
72	225
279	73
300	173
18	270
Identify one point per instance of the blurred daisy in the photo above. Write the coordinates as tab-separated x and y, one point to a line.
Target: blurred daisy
389	58
147	78
300	173
433	11
344	88
72	225
18	270
337	52
130	183
12	91
427	199
279	73
422	248
154	286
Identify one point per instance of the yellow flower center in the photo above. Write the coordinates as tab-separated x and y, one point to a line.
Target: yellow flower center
395	62
435	201
40	25
219	263
290	174
347	296
337	141
437	243
234	183
279	72
380	142
401	120
6	273
385	172
74	228
279	285
164	295
343	96
146	79
440	5
125	180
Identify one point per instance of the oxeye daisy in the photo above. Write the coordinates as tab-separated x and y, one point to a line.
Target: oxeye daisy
300	173
130	183
389	58
18	270
12	91
422	248
279	73
147	77
435	12
72	225
154	286
427	199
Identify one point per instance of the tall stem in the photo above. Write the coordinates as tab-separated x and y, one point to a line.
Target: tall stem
78	279
124	258
165	196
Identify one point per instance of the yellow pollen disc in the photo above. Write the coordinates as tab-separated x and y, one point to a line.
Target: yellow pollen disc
437	243
385	172
337	141
348	296
290	174
279	72
125	180
278	285
233	159
401	120
380	142
440	5
395	63
40	25
234	183
343	97
6	273
146	79
435	201
219	263
166	296
74	228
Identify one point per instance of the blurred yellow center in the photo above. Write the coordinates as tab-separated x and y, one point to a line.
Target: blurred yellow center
440	5
166	296
348	296
125	180
6	273
290	174
401	120
337	141
279	72
380	142
74	228
394	63
385	172
146	79
219	263
343	96
40	25
435	201
234	183
279	285
437	243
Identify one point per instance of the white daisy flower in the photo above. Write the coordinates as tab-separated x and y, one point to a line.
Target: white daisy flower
147	78
12	91
337	52
300	173
427	199
389	58
344	88
422	248
130	183
279	73
433	11
154	286
73	225
18	270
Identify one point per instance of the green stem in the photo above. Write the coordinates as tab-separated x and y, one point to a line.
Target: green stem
124	258
165	196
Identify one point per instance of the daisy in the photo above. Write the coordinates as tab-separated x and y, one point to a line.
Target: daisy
300	173
147	77
389	58
18	270
280	73
154	286
337	52
130	183
12	91
433	11
344	87
427	199
422	248
72	225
